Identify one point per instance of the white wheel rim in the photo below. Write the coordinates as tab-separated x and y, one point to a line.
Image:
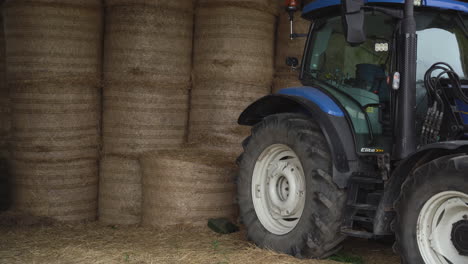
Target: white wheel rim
278	189
435	224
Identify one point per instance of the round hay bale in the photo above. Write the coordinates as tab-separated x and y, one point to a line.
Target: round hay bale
47	39
233	66
233	43
149	43
187	187
65	191
55	121
147	70
119	191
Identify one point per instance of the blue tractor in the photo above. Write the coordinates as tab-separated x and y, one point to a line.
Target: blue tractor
375	142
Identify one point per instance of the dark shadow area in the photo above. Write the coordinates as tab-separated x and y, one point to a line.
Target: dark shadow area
5	186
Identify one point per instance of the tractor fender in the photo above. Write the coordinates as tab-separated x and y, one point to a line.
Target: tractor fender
328	115
385	211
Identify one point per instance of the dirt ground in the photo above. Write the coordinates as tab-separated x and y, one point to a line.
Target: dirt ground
96	243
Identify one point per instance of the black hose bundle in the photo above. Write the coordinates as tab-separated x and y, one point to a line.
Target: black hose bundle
437	93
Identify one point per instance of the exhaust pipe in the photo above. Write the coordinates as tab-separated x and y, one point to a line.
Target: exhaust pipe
404	126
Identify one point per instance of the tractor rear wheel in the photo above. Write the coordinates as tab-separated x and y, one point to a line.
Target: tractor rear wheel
432	213
288	200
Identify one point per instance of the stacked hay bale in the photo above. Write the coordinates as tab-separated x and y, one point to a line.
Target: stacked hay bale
53	53
147	71
187	187
233	66
120	191
147	68
285	47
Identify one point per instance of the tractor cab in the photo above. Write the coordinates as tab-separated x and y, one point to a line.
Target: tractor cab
364	78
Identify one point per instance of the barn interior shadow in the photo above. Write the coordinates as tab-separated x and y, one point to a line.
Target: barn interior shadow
5	186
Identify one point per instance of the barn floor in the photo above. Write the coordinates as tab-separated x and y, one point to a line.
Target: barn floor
95	243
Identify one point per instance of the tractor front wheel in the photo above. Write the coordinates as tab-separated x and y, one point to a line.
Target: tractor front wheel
288	200
432	213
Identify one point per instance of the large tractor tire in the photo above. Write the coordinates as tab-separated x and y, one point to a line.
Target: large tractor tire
432	213
288	200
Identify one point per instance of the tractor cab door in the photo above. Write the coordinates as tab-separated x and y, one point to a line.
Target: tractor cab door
357	76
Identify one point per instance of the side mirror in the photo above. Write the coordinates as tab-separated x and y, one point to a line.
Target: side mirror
292	62
353	21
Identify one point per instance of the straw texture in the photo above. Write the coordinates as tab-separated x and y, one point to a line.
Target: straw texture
147	70
187	187
95	243
119	191
269	6
233	66
53	53
285	47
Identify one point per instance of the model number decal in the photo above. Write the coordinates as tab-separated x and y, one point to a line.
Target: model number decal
372	150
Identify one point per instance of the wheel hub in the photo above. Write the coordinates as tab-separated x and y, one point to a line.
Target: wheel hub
278	189
283	188
460	236
443	227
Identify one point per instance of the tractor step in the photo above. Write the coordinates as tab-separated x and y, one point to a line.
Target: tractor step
363	219
356	179
366	207
356	233
361	205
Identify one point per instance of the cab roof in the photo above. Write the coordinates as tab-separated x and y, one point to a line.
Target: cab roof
454	5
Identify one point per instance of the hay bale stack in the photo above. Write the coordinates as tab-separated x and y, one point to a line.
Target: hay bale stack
187	187
53	53
285	47
119	191
147	68
233	66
